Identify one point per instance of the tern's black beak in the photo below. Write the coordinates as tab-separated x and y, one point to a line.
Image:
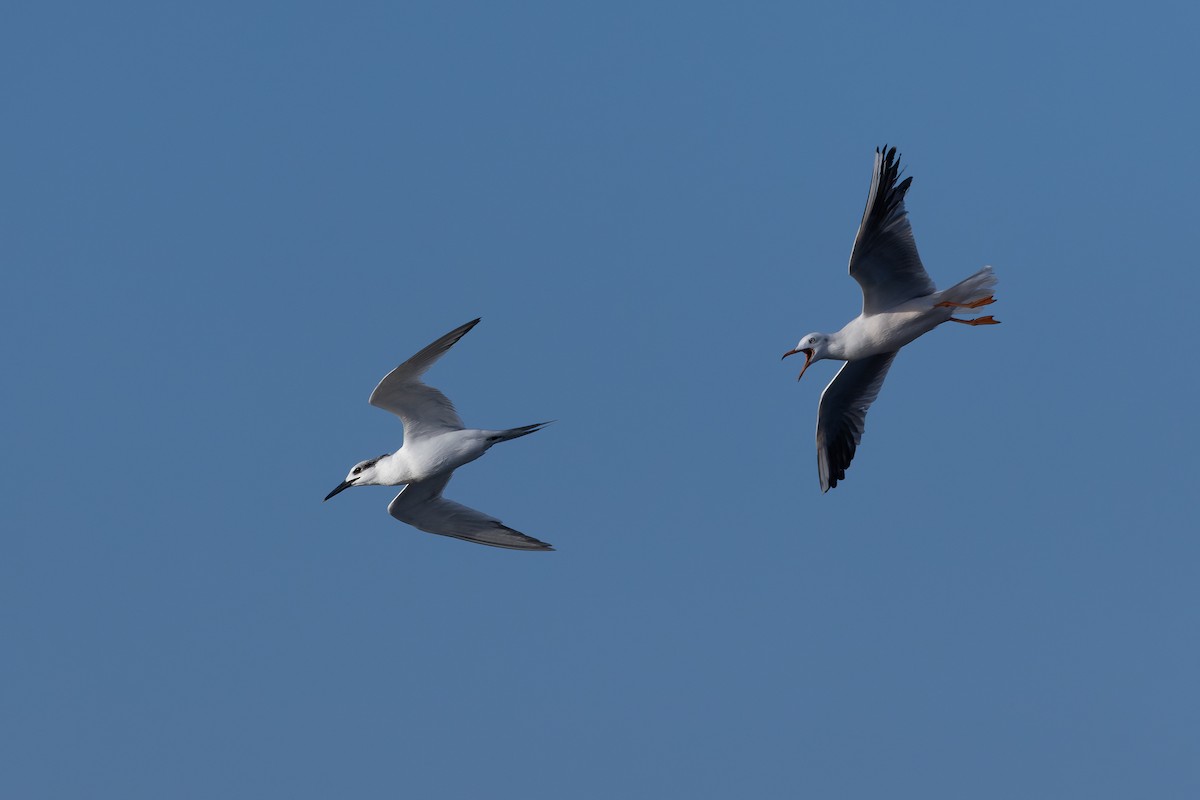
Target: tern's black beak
343	486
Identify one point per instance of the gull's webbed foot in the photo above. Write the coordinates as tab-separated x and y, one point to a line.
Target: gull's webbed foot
985	301
988	320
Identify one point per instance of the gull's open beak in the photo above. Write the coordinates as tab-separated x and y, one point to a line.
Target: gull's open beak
343	486
808	354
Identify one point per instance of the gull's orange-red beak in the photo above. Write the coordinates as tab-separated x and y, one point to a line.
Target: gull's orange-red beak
808	354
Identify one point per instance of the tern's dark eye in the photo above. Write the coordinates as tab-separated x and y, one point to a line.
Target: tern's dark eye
356	470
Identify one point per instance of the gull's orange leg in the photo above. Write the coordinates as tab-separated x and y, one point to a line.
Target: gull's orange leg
988	320
986	301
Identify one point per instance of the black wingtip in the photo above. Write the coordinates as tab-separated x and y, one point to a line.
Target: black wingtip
891	158
464	329
889	178
531	545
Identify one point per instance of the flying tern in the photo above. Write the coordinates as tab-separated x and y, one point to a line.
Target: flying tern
435	444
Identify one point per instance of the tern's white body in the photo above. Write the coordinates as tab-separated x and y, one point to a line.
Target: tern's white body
900	304
435	444
431	457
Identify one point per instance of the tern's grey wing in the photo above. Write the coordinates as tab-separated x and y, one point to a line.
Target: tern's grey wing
422	506
842	414
884	260
423	409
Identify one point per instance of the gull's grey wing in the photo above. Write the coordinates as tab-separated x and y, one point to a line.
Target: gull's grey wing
423	409
842	414
422	506
884	260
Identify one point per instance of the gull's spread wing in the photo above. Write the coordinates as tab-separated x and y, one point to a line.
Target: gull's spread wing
422	506
843	412
424	410
884	260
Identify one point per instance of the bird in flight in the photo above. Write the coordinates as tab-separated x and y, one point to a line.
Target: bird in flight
435	444
900	303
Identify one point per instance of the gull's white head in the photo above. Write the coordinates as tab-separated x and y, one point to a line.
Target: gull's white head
364	473
815	347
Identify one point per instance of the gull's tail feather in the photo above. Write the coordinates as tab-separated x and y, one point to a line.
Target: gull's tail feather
977	287
517	433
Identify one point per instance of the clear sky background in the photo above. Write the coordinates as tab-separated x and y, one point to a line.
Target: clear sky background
222	223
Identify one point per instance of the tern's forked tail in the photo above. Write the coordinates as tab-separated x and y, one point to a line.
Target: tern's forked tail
517	433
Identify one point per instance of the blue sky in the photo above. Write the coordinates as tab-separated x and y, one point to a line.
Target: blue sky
221	224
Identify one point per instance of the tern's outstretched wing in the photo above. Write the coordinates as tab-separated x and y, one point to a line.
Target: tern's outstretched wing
423	410
884	260
422	506
842	414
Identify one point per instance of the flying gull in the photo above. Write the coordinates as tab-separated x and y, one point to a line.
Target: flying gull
900	303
